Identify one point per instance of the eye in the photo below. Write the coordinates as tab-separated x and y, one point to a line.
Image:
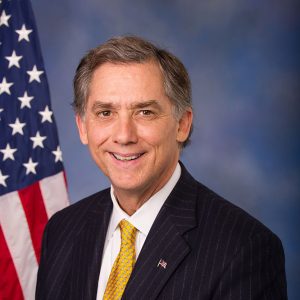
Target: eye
146	112
104	113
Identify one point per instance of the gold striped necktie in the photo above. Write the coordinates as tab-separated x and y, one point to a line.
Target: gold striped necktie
123	264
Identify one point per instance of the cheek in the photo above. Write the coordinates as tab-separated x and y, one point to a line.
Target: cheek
96	136
161	136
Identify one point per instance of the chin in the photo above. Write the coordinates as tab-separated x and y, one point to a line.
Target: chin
126	185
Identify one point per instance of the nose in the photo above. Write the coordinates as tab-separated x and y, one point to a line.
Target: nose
125	131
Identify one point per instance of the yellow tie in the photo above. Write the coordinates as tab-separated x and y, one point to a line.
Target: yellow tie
123	264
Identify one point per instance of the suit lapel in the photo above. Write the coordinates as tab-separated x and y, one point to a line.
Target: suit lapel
165	247
88	248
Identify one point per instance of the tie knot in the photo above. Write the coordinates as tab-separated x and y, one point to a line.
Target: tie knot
128	232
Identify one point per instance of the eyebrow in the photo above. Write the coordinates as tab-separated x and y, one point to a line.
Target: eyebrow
136	105
144	104
102	105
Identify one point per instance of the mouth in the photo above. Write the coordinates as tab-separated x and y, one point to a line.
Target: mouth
126	157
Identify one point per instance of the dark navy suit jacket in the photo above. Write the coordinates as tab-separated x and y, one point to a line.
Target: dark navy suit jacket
208	249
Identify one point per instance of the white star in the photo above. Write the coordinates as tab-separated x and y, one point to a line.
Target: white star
25	100
13	60
30	166
58	154
23	33
17	127
46	115
1	110
4	19
4	86
34	74
8	152
38	140
3	178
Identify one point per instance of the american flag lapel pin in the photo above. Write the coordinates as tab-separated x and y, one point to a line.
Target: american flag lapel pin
162	264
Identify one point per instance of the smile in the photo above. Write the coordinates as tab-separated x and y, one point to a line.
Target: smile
126	157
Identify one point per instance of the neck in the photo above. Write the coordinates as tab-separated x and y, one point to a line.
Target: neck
130	202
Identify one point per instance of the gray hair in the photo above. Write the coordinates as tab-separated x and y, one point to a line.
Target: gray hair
132	49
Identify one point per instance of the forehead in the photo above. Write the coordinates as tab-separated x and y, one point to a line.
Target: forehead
116	76
127	85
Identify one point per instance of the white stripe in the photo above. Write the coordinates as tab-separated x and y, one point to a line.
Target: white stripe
54	193
17	235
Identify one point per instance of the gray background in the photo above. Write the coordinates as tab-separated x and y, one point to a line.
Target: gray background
243	59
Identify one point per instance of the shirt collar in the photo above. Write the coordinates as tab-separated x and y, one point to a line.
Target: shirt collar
144	217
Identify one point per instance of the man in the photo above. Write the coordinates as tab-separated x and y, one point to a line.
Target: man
157	233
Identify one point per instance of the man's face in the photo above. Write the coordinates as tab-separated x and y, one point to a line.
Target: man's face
130	128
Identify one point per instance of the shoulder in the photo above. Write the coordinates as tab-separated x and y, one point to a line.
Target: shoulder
73	217
221	220
226	218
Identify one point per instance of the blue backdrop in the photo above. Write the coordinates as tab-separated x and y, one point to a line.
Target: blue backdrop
243	59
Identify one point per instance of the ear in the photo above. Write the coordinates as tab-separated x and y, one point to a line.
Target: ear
185	124
81	129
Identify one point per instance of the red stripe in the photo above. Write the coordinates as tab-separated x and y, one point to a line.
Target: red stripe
10	288
35	211
65	178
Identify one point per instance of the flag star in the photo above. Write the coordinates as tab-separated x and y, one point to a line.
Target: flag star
17	127
8	153
4	19
1	110
46	115
13	60
4	86
30	166
38	140
3	178
34	74
23	33
58	154
25	100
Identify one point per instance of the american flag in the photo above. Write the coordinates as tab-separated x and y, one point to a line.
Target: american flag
32	178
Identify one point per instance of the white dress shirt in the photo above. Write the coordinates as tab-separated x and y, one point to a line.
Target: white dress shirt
142	220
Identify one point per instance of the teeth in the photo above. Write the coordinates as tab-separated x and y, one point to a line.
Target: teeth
126	158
